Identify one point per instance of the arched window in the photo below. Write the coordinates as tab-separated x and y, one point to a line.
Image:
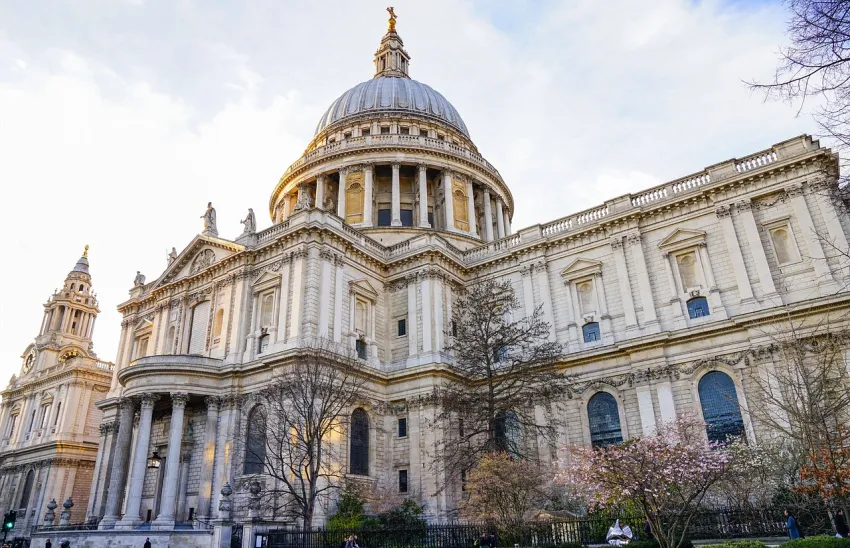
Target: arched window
698	307
354	198
255	441
604	419
507	432
585	297
267	310
720	409
591	332
27	490
359	461
82	287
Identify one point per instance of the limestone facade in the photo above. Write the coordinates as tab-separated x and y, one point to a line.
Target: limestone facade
49	424
388	213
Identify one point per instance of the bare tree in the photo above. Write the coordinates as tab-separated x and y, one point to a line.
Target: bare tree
502	368
803	396
293	437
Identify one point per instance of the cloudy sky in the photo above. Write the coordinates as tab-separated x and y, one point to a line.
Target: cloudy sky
119	120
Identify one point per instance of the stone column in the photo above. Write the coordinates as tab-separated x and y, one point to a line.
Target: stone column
500	219
299	259
822	192
368	175
339	280
507	223
713	291
165	519
412	326
439	334
807	227
647	413
675	301
283	303
286	212
742	280
340	201
447	195
650	317
423	197
180	511
545	296
396	197
425	288
527	289
223	445
132	515
488	216
208	457
625	286
320	192
745	214
326	258
98	485
118	474
470	204
666	404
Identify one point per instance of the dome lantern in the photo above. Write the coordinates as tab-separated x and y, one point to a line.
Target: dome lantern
391	60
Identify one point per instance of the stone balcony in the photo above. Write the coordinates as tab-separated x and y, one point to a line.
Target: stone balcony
165	373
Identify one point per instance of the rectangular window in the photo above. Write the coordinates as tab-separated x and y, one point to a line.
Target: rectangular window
402	427
267	310
402	481
384	217
463	480
460	427
58	409
406	217
346	135
360	346
404	130
12	426
385	130
365	131
431	218
591	332
402	327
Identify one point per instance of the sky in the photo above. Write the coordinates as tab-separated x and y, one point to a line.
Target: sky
121	119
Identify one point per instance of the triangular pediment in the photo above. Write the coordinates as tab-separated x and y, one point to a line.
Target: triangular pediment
364	288
201	253
267	276
682	237
144	323
581	267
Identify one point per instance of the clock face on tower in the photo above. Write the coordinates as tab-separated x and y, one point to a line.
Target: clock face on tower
29	361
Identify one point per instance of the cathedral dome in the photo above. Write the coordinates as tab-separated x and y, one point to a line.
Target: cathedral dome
387	94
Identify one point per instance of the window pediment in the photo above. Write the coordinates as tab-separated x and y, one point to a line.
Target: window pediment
581	268
682	238
364	289
266	280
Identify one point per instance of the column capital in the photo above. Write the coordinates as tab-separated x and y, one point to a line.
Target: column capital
744	205
212	402
422	166
179	399
617	242
147	400
794	190
396	165
633	238
343	170
126	403
723	211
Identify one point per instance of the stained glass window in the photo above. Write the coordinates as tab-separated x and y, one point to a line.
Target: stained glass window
720	408
604	419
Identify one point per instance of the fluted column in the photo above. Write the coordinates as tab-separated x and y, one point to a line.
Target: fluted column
180	511
625	285
132	516
470	203
500	218
423	197
447	193
811	237
488	216
320	192
118	475
340	201
396	197
745	215
326	259
412	325
208	456
165	519
507	223
368	175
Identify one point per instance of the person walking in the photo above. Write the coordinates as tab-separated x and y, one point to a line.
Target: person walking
481	542
792	526
147	542
841	528
48	544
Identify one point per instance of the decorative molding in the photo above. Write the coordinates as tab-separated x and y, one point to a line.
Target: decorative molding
179	399
795	190
616	242
202	260
723	211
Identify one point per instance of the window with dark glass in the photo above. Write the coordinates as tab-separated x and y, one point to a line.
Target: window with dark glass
431	219
360	346
463	480
385	217
698	307
27	491
460	427
604	419
365	131
402	481
402	327
507	431
359	453
406	217
402	427
591	332
720	410
255	441
500	354
454	328
404	130
262	344
385	130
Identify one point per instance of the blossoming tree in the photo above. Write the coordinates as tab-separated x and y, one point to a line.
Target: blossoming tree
666	475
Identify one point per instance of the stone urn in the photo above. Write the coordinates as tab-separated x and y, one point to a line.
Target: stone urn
50	515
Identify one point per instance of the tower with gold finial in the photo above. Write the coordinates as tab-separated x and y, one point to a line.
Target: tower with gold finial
391	59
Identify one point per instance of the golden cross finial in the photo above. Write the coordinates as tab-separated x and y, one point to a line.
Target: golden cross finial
86	252
393	17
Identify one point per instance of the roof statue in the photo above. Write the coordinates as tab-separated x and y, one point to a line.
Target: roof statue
392	19
86	252
172	256
210	228
250	222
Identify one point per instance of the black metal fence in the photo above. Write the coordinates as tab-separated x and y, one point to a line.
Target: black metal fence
709	524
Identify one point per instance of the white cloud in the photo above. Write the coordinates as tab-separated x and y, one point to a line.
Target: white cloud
116	130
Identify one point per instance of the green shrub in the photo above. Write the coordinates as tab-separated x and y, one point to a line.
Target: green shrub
822	541
652	543
739	544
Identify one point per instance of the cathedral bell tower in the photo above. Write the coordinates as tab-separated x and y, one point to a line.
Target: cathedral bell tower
70	313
